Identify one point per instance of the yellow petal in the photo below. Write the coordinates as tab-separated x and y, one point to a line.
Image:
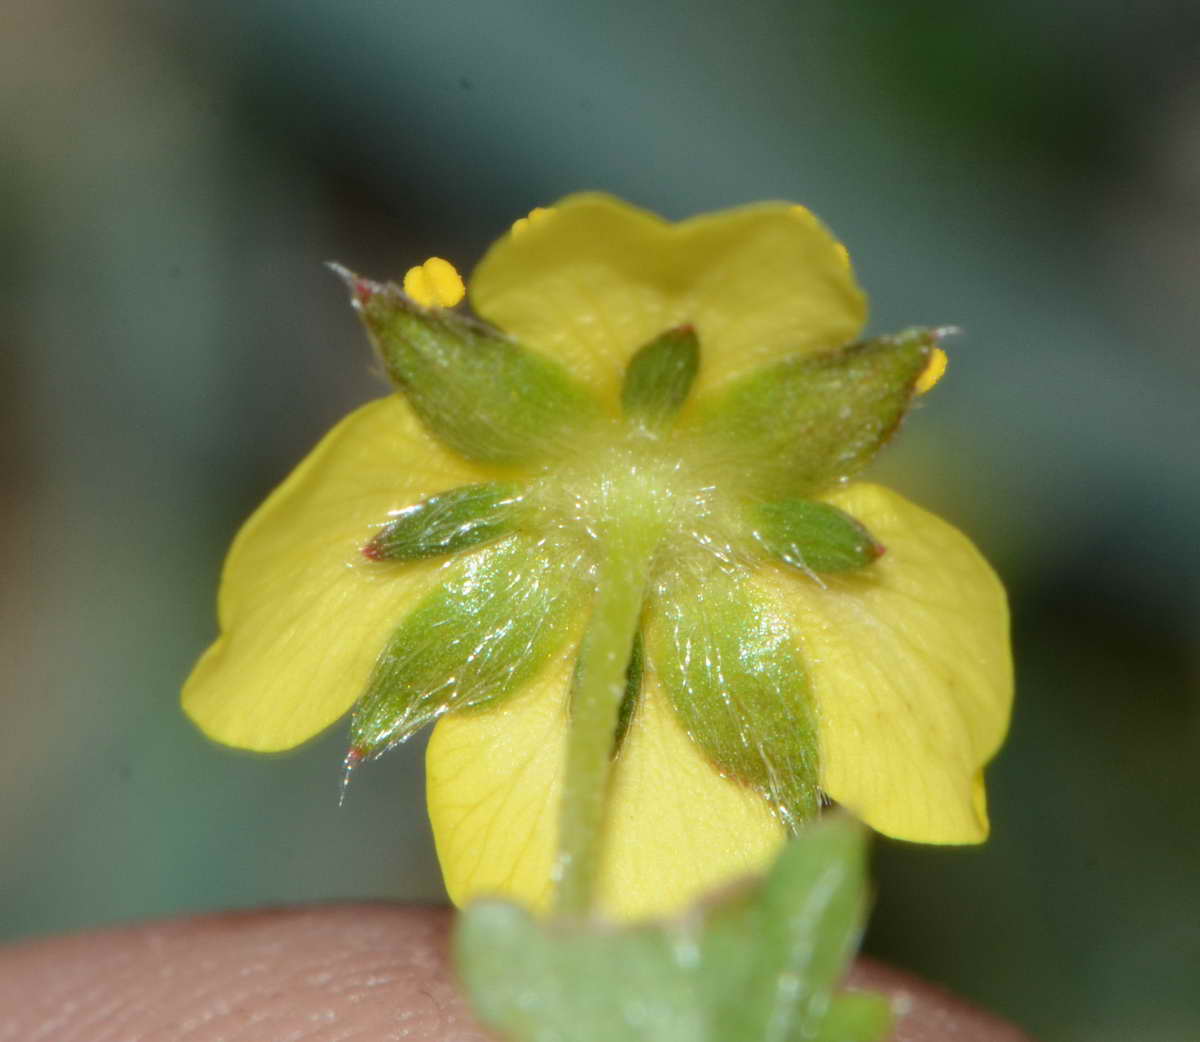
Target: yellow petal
303	614
493	781
594	279
675	830
911	671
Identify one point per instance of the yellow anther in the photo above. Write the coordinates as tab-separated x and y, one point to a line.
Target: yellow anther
434	284
536	214
843	255
932	372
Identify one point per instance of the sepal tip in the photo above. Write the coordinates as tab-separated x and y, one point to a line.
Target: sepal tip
361	289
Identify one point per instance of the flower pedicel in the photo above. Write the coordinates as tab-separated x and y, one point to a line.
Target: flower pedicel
620	505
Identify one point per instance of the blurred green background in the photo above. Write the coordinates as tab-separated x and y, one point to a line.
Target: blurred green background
172	175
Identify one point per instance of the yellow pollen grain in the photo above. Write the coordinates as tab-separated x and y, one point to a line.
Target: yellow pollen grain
843	255
932	372
535	215
434	284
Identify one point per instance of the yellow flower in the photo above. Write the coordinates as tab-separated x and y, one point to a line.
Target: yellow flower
676	396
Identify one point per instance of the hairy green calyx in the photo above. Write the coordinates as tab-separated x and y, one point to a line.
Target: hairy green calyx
653	520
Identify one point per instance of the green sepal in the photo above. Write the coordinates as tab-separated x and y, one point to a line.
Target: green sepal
452	521
813	536
757	965
472	641
478	391
659	377
738	685
810	421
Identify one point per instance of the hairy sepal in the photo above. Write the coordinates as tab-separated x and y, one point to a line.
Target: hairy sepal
475	640
480	392
737	683
804	424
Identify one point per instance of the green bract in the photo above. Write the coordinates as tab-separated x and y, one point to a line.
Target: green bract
455	520
812	536
659	376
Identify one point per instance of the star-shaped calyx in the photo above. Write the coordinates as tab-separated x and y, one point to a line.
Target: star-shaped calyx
687	497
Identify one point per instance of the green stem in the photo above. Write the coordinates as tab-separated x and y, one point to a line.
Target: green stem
596	695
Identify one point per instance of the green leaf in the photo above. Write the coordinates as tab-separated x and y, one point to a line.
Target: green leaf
854	1017
556	982
475	639
801	928
476	390
659	377
455	520
737	682
757	965
802	425
813	536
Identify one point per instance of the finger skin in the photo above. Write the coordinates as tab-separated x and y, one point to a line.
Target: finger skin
344	973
